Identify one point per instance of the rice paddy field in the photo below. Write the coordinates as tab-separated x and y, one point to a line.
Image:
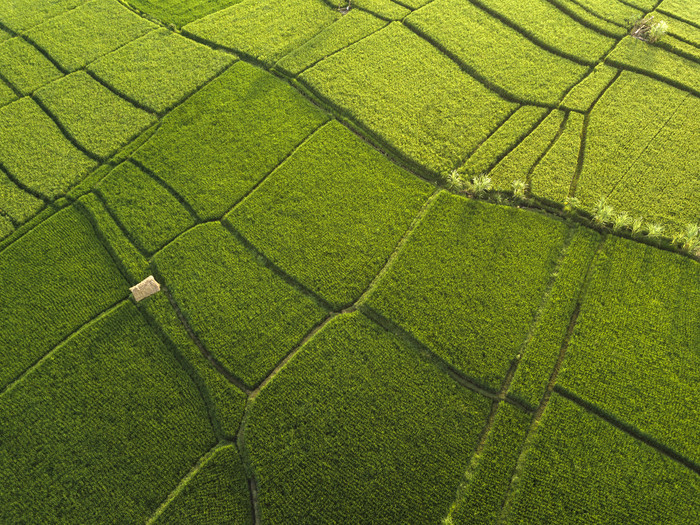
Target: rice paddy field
420	262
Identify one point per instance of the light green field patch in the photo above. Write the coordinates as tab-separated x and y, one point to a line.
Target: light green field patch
18	204
82	35
542	20
219	144
109	415
7	94
624	124
315	219
611	10
685	9
358	428
587	18
497	52
20	15
6	227
580	470
411	96
181	12
469	282
383	8
24	67
160	69
349	29
265	29
244	314
218	493
149	213
510	134
638	55
34	150
682	30
585	93
57	275
552	176
98	119
519	163
634	351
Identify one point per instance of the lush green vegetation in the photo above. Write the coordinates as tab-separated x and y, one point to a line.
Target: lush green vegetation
24	67
244	314
470	281
359	428
19	15
314	218
17	204
586	93
180	12
247	115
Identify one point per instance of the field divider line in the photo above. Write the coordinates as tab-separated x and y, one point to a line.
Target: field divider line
247	463
584	135
9	84
677	17
596	15
185	480
240	385
531	37
555	139
277	270
13	221
273	170
563	8
336	7
629	429
167	187
62	342
119	94
24	187
551	383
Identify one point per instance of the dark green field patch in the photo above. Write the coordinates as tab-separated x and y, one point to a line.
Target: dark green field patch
634	351
315	219
24	67
19	15
497	52
265	29
219	144
469	282
160	69
580	470
349	29
218	493
94	29
18	204
6	227
53	280
411	96
244	314
98	119
35	152
108	421
359	429
150	214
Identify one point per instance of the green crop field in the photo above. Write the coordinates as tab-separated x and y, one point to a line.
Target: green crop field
417	262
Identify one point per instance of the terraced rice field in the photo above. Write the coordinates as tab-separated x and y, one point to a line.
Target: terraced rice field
341	334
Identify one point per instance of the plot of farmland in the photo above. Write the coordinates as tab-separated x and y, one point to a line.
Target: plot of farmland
420	261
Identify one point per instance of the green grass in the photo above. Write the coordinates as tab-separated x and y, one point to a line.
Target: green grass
685	9
352	27
552	176
56	276
314	218
94	29
482	494
218	493
35	152
131	263
384	8
160	69
24	67
542	350
582	471
7	94
180	12
470	281
107	418
226	402
634	352
18	204
411	96
544	22
265	29
219	144
19	15
611	10
359	429
244	314
586	93
148	212
98	119
504	56
520	162
510	134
